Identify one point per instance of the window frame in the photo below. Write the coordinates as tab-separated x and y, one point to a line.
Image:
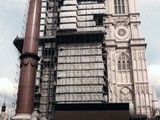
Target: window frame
123	62
120	7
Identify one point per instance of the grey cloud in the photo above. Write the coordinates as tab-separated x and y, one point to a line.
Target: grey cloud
150	18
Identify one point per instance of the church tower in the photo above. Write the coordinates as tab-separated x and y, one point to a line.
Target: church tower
126	60
90	51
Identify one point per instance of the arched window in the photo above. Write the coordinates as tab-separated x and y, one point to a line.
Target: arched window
123	62
120	6
126	95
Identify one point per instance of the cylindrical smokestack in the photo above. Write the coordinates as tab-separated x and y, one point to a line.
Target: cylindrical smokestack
29	61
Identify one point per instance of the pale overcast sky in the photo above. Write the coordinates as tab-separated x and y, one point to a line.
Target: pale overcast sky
11	22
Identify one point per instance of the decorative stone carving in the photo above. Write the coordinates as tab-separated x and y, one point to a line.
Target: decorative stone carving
121	21
121	27
125	94
121	32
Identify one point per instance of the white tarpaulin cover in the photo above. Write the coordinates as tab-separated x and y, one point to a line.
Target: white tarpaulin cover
80	72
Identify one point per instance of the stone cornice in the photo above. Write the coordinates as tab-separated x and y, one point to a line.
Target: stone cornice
135	22
134	14
138	44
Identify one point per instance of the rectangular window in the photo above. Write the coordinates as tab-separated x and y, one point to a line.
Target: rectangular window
119	6
119	9
123	9
119	2
123	2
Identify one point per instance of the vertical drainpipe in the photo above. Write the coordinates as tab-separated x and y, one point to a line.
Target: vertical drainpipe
29	62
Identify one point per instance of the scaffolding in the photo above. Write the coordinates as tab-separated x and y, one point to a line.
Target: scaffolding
70	73
72	66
